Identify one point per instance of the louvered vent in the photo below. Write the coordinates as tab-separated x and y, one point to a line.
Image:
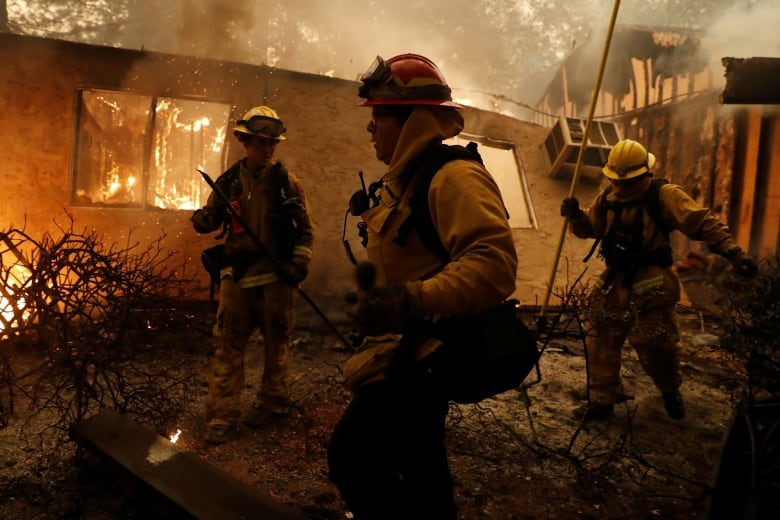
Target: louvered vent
563	147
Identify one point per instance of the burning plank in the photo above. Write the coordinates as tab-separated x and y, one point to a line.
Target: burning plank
198	487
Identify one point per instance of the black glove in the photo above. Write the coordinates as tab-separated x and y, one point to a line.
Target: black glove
295	271
570	208
358	203
205	221
743	264
385	309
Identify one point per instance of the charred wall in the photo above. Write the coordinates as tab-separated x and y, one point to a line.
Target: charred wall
660	92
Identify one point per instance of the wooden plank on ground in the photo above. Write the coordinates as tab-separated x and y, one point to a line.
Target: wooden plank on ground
198	487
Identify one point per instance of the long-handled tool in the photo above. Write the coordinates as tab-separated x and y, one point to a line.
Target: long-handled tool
542	318
264	250
541	323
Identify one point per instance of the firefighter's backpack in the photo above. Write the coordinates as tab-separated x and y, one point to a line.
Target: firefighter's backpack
483	355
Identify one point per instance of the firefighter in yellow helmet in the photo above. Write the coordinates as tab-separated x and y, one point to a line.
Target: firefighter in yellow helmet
386	454
634	298
257	281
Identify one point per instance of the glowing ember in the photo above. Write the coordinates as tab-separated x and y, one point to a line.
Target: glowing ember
175	436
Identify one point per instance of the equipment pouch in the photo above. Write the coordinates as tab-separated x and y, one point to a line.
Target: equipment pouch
213	260
485	355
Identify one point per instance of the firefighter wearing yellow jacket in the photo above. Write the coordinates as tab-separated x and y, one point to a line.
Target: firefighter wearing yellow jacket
386	454
635	296
257	280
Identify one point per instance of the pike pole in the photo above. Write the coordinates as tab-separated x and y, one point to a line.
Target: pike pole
264	250
575	176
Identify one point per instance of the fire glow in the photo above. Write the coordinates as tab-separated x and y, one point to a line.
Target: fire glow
175	436
10	310
142	157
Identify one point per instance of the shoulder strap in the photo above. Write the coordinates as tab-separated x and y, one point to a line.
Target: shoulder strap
603	211
651	202
653	205
280	183
420	217
224	183
231	174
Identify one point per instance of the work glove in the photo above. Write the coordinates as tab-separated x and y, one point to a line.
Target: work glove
570	208
358	203
205	221
385	309
295	271
743	264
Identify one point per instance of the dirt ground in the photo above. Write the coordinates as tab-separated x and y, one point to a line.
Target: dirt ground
520	455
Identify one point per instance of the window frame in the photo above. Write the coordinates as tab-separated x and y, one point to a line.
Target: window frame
525	193
147	165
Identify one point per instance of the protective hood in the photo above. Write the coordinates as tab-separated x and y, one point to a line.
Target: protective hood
426	125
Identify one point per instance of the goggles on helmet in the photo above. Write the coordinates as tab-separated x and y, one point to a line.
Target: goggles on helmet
263	125
378	72
622	171
378	83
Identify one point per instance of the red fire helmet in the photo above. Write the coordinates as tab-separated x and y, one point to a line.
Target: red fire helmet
406	79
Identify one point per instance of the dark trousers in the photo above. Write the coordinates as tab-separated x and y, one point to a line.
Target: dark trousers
387	454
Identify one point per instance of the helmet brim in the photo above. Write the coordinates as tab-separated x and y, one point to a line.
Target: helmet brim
244	130
612	174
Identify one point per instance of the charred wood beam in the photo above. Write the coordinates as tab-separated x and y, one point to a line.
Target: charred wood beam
751	81
203	490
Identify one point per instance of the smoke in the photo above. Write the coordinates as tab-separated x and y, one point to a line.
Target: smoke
744	32
341	38
510	48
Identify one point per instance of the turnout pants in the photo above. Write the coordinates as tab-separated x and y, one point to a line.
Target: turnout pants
387	454
642	312
271	308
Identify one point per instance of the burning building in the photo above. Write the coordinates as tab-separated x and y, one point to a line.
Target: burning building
660	88
113	138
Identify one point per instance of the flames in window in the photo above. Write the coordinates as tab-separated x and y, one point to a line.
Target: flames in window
135	151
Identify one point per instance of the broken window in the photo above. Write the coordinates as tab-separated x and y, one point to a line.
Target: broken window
502	161
137	151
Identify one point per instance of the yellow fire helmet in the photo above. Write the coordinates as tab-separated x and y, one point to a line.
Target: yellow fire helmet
628	159
262	121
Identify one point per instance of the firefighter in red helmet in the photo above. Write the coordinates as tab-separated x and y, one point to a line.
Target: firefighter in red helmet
406	79
387	454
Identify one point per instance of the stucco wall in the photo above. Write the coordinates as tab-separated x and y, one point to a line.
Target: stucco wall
327	147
